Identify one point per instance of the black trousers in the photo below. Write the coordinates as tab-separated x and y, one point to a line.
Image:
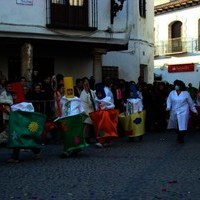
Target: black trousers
16	152
180	136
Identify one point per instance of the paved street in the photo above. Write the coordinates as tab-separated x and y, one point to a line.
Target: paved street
157	168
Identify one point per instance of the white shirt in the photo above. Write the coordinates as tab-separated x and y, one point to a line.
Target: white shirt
109	93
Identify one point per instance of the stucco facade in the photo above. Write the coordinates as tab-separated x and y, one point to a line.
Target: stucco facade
188	16
139	55
127	43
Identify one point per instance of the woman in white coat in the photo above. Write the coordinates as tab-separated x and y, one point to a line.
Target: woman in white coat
179	103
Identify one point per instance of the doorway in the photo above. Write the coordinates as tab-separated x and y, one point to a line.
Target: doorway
44	67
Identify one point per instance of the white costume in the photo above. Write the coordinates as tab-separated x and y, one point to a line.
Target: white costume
24	106
134	106
109	93
179	106
70	106
105	103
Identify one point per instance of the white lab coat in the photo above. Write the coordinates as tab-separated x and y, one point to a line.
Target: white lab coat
179	106
87	105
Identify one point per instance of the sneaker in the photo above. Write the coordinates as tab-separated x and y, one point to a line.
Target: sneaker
65	155
107	144
99	145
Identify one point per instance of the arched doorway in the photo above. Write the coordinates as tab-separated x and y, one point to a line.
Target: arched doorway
175	36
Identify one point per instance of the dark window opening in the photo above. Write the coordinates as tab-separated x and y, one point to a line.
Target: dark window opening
112	72
74	14
14	68
176	36
142	8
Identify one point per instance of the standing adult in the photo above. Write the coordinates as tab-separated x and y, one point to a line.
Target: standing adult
78	87
179	103
87	98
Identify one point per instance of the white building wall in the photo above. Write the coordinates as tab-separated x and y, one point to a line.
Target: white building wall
189	18
77	68
140	49
32	19
158	2
13	13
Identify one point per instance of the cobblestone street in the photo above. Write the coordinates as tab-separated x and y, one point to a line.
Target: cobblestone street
156	168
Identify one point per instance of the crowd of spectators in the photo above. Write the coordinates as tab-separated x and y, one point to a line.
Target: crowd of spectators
45	93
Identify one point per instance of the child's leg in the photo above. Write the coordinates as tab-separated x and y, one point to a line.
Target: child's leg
15	156
36	151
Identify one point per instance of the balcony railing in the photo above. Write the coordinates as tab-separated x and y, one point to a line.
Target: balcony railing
176	46
79	14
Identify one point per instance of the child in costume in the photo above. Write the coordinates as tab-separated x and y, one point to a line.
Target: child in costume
133	120
134	102
71	121
105	119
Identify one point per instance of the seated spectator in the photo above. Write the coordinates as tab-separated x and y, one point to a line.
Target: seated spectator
47	88
78	87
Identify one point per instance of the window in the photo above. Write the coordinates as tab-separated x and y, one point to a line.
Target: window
73	14
176	36
112	72
71	2
199	35
58	1
176	29
142	8
76	2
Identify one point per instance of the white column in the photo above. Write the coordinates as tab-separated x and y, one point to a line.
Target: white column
97	64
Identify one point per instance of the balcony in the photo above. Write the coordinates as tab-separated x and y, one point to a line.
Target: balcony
176	46
72	14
